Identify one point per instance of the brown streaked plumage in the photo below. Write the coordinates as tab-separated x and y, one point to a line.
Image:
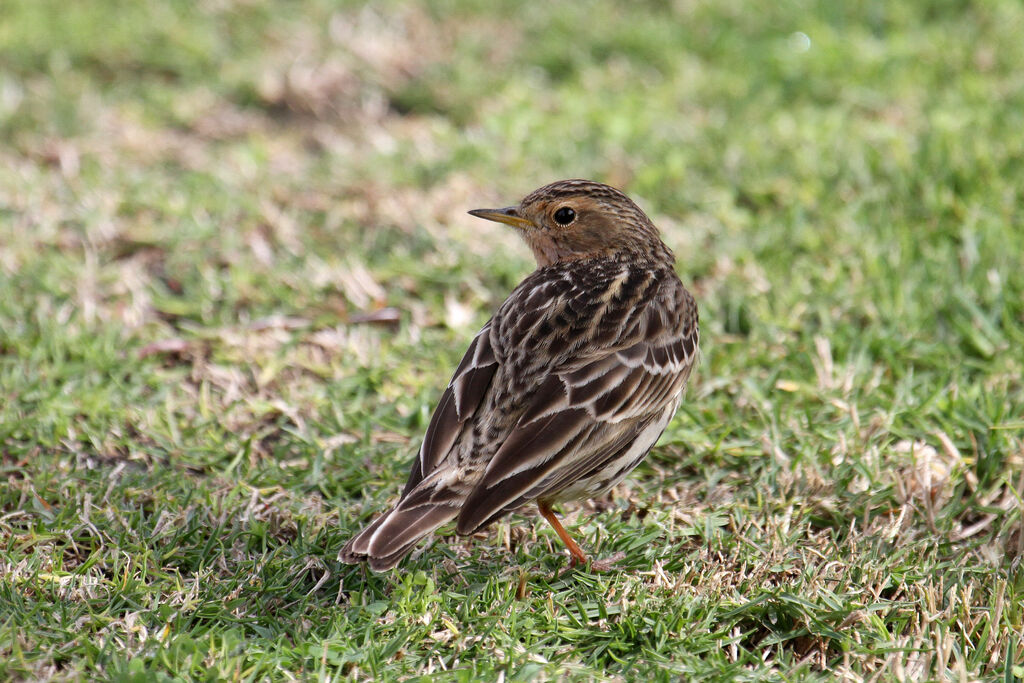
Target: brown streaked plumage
566	389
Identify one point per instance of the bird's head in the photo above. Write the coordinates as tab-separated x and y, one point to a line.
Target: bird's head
579	219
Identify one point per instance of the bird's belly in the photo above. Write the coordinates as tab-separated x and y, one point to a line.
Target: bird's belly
616	470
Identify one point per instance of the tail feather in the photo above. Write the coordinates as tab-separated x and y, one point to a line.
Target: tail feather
392	536
359	545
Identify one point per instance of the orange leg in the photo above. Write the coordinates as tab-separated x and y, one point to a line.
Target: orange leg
578	556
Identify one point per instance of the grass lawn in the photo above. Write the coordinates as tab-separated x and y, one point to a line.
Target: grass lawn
236	272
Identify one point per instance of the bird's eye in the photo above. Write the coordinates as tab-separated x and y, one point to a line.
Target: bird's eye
565	216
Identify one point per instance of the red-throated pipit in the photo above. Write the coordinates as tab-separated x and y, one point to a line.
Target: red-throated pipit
568	386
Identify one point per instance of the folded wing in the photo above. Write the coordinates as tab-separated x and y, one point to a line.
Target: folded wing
582	417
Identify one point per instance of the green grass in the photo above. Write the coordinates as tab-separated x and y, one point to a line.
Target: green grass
236	270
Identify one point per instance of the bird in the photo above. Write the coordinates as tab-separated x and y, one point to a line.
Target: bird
568	386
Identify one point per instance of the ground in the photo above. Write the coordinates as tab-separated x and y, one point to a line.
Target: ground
236	271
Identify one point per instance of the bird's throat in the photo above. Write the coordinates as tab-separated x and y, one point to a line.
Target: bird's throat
547	251
544	248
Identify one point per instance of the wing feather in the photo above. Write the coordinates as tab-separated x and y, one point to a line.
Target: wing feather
459	402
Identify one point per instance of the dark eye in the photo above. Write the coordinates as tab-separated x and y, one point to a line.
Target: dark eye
565	216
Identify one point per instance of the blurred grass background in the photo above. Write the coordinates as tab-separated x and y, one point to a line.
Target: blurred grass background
236	270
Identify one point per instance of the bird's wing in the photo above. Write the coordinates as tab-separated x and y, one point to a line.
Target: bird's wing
585	414
459	402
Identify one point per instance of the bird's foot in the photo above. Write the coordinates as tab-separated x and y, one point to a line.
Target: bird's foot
600	566
607	564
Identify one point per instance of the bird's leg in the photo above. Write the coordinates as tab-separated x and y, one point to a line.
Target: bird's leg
578	556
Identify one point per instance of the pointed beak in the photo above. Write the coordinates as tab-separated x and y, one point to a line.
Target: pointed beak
509	216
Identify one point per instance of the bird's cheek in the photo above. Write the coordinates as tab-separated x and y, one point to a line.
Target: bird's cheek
592	238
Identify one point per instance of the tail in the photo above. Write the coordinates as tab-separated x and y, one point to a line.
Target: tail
392	536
